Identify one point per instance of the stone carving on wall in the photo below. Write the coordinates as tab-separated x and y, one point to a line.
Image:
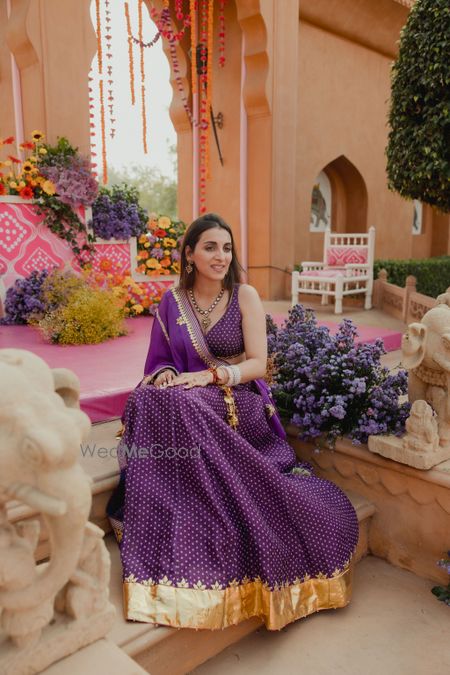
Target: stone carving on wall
426	355
50	610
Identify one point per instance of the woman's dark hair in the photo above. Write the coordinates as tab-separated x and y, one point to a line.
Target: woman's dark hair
191	237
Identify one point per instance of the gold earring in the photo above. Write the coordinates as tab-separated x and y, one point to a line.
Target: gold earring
189	267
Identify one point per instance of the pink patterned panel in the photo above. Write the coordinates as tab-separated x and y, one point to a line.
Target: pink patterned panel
38	255
346	255
14	231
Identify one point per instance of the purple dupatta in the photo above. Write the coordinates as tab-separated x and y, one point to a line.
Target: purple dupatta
177	342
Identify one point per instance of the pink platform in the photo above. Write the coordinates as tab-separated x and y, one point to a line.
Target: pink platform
109	371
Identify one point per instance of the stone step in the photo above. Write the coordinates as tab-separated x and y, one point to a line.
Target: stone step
163	650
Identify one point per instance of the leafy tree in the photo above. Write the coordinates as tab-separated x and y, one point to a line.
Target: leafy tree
418	152
157	192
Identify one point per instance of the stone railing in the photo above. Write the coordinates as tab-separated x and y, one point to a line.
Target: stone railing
405	304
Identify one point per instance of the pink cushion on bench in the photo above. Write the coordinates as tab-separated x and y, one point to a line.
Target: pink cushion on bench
345	255
325	272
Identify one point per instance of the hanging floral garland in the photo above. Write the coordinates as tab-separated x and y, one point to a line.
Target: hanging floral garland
142	66
109	55
101	91
222	4
130	53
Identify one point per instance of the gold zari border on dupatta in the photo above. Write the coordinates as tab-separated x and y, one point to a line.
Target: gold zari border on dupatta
198	342
214	609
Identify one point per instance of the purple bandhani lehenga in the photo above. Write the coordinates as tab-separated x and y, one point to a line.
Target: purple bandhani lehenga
215	519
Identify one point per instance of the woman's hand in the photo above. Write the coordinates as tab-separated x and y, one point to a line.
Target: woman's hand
199	379
164	378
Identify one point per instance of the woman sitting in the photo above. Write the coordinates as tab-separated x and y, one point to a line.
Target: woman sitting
216	520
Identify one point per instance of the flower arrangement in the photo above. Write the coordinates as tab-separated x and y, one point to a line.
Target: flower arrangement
329	386
116	213
89	316
60	180
158	248
25	300
23	178
66	308
138	299
443	592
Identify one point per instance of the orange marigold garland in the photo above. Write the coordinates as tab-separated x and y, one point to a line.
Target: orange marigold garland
130	53
206	24
222	4
99	37
193	14
142	65
209	78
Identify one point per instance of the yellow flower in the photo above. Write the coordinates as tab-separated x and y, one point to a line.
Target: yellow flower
153	264
147	244
142	239
37	136
138	309
164	222
48	187
32	158
13	185
168	241
27	167
166	252
22	184
7	162
42	151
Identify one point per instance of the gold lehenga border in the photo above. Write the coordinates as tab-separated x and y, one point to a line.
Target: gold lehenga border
217	609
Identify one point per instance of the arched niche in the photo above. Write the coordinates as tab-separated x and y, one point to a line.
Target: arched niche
349	196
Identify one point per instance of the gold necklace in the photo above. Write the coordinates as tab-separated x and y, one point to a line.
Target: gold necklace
206	319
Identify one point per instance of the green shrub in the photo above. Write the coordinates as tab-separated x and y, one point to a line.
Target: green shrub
418	151
432	274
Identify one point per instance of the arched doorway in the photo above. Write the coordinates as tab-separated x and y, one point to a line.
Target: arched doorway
348	196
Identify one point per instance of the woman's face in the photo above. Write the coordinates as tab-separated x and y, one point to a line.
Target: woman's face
212	254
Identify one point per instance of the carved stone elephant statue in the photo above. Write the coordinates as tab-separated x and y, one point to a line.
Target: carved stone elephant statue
426	354
41	429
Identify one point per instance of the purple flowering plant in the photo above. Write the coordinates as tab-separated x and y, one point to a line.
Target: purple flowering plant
24	300
329	386
74	186
116	213
443	592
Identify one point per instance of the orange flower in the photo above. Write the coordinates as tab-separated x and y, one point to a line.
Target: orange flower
2	189
160	233
145	302
105	264
158	245
166	262
143	255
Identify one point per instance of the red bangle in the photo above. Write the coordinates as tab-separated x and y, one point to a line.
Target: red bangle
213	370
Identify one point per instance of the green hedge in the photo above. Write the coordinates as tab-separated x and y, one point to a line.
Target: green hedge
432	274
418	152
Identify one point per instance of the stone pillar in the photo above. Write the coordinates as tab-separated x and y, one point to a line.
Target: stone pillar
53	43
271	35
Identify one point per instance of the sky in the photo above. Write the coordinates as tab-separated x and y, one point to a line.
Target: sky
127	146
